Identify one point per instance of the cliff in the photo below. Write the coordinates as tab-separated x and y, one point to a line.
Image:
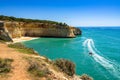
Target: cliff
18	29
38	28
4	35
19	66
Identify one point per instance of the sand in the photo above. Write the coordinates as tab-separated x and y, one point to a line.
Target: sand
21	39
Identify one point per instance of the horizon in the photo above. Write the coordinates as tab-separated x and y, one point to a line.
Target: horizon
87	13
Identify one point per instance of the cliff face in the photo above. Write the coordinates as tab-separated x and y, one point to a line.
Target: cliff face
36	29
18	29
76	31
4	35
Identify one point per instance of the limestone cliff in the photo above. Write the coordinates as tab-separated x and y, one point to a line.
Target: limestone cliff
18	27
4	35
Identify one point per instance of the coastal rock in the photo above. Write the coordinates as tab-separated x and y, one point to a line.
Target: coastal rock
4	35
76	31
18	29
36	29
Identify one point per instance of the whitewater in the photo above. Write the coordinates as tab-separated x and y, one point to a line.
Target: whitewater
112	67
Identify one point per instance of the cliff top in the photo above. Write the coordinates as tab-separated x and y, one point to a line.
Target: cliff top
14	19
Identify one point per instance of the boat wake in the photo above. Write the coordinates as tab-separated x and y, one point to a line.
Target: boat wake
112	67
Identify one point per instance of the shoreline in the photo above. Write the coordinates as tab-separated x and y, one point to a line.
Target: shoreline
22	39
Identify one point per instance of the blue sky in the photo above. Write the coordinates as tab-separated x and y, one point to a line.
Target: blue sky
72	12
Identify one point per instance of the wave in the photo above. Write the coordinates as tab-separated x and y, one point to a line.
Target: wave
112	67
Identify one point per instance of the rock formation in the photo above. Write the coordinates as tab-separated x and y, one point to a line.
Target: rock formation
18	27
4	35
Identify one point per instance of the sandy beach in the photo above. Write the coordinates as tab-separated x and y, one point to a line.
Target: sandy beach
22	39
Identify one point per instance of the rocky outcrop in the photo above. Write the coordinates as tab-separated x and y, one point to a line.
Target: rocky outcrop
18	29
4	35
36	29
76	31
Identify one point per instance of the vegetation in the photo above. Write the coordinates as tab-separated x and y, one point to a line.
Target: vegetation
2	41
38	69
66	66
20	47
85	77
5	65
35	69
11	18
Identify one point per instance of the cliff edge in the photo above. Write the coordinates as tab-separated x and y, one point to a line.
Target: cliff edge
20	66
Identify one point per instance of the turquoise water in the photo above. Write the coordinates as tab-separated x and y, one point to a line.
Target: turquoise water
103	42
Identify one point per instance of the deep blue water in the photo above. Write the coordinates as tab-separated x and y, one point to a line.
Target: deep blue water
103	42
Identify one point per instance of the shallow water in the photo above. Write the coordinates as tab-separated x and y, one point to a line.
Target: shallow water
103	42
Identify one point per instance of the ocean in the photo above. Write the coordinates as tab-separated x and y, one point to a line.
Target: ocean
102	42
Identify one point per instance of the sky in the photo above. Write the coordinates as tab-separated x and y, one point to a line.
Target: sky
72	12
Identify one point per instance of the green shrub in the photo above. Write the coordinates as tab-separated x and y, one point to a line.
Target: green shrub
5	65
2	41
20	47
85	77
11	18
66	66
16	45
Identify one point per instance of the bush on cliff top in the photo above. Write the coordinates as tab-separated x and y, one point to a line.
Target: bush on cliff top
66	66
11	18
20	47
5	65
85	77
37	68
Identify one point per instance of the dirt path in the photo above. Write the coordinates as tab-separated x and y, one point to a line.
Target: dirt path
19	70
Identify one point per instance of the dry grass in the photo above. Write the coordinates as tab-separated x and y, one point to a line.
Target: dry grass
66	66
21	48
38	69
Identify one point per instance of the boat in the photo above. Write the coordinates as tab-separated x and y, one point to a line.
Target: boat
90	53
